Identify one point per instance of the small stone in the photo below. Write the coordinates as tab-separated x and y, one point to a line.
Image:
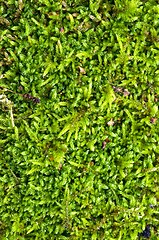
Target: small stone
146	233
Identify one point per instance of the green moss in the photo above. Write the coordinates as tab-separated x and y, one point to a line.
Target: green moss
83	162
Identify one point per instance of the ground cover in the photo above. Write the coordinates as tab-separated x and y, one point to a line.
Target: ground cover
79	125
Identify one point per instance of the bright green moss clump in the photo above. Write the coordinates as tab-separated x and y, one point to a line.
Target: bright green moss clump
82	163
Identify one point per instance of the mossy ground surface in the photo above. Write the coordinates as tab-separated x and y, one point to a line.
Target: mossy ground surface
83	163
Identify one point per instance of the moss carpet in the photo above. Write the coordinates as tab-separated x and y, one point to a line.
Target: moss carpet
79	131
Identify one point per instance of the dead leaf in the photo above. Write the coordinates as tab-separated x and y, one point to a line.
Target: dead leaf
153	120
104	143
118	89
62	30
126	93
82	70
111	122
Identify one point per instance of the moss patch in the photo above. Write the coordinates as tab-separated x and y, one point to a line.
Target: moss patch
81	159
